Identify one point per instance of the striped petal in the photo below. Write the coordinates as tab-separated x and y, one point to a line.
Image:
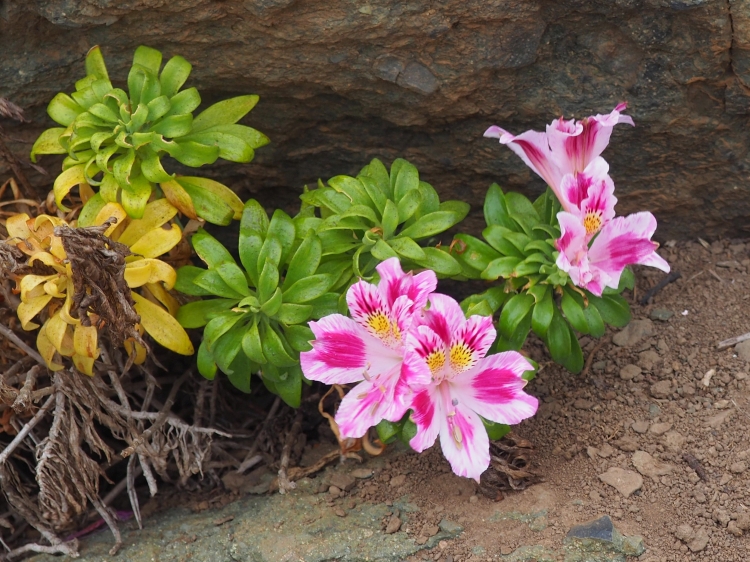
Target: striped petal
394	283
444	316
471	342
370	310
494	389
343	352
465	443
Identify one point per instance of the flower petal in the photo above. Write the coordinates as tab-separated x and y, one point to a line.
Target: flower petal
368	403
426	415
625	241
426	354
534	149
394	283
343	351
494	389
471	342
465	444
370	310
444	316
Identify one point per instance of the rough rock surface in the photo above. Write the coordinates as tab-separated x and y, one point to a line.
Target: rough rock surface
343	82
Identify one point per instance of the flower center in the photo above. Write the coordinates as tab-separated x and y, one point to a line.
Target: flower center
461	357
383	328
592	221
435	361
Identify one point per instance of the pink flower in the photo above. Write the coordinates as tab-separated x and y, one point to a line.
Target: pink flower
369	347
567	146
589	195
621	242
449	351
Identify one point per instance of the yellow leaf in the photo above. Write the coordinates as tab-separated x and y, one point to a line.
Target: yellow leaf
17	227
56	248
60	334
162	326
65	310
48	259
163	296
85	341
149	270
108	211
177	195
157	242
27	310
47	351
30	282
66	181
219	190
56	287
157	213
140	351
84	364
85	192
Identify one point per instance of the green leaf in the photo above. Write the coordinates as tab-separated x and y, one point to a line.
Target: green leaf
308	289
158	108
613	309
192	153
270	251
63	109
290	313
431	224
252	345
404	178
518	204
268	281
299	337
213	201
361	211
514	311
374	192
305	261
186	276
539	246
241	370
494	205
388	431
218	326
273	304
273	346
494	297
289	387
352	188
48	143
174	75
211	281
573	310
233	276
495	431
407	248
408	205
205	361
174	126
378	172
325	305
224	112
563	345
281	228
185	101
544	310
500	268
254	138
476	254
210	250
254	217
390	219
227	347
95	63
123	167
90	210
197	314
498	238
148	58
440	262
135	196
249	248
231	147
430	200
382	250
594	321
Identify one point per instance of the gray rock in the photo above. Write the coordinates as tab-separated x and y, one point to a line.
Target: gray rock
343	481
600	540
648	359
661	389
660	428
661	314
624	481
649	466
391	81
674	441
738	467
633	333
743	350
696	539
628	372
640	426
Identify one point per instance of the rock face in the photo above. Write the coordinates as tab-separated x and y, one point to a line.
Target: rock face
342	82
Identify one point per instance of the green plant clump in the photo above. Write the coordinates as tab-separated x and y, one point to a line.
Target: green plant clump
534	294
115	140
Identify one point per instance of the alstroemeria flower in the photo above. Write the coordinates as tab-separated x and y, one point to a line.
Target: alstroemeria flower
369	347
464	385
590	196
567	146
621	242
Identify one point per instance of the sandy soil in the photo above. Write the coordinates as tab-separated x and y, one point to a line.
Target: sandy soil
666	404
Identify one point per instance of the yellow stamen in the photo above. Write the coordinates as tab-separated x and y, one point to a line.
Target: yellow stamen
592	221
435	361
461	357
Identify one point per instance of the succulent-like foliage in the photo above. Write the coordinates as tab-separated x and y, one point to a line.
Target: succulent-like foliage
115	140
378	215
534	293
258	323
65	289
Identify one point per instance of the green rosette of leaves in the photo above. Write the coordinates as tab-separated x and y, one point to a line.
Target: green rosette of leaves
257	322
378	215
115	140
533	294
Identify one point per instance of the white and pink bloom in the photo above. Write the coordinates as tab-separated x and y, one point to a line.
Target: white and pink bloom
567	146
622	241
589	195
449	351
369	347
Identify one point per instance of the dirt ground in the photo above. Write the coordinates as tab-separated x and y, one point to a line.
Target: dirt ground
666	403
